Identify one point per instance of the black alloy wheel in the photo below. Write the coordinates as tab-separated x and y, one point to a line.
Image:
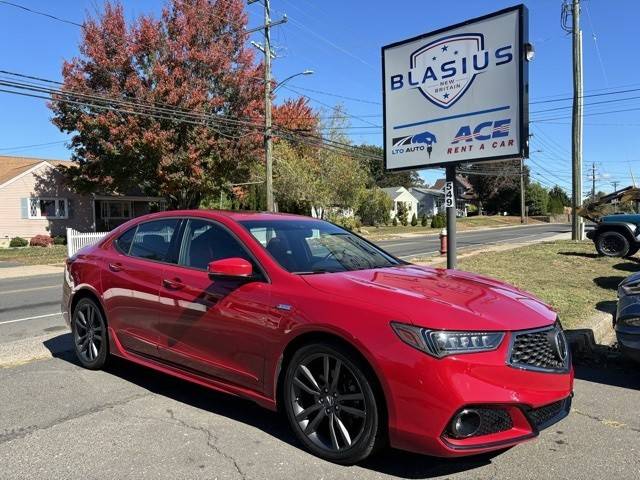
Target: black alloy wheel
331	405
89	334
612	244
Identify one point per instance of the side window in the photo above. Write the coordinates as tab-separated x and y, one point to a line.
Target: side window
124	241
205	242
153	239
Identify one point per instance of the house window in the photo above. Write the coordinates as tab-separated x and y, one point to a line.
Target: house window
50	208
115	209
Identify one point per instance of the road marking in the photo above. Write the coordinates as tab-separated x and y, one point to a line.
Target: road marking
22	290
30	318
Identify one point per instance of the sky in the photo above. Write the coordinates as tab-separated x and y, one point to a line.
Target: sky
340	41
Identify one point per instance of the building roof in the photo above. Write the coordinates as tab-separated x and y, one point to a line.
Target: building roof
393	192
426	191
11	167
439	185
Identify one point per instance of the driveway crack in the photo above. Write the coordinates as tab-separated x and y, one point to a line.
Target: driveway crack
211	441
21	432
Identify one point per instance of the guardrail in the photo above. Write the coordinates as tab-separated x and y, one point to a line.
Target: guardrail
77	240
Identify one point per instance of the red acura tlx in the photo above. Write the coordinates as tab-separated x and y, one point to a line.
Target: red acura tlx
358	348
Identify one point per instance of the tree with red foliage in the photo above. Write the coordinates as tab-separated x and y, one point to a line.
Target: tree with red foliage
193	58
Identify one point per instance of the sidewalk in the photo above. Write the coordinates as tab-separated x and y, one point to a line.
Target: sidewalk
29	271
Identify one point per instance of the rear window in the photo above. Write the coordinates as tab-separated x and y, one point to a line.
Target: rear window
153	239
124	241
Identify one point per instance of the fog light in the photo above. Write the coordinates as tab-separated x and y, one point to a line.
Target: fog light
466	423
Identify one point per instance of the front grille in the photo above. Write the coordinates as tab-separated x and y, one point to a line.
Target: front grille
540	416
543	417
494	421
541	349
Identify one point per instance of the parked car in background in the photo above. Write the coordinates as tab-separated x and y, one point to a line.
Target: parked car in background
616	235
356	346
627	319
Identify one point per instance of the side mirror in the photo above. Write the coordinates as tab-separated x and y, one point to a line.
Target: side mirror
230	267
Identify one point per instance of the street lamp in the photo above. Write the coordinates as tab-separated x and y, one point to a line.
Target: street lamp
267	130
305	72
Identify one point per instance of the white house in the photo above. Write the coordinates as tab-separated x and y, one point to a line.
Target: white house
401	194
430	201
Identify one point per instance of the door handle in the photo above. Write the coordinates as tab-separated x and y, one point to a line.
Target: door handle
174	284
115	267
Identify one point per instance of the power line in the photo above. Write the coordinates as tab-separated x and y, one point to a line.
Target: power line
44	14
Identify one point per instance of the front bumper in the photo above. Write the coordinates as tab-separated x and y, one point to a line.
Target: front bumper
427	396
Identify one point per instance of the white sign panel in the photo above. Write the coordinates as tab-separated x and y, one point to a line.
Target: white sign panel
449	197
458	94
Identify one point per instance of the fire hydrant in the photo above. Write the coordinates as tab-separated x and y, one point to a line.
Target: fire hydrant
443	241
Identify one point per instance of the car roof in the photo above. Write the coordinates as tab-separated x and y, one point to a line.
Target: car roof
236	215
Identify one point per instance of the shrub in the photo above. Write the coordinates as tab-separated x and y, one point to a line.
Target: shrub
438	221
395	221
18	242
374	207
59	240
41	241
403	213
423	220
414	220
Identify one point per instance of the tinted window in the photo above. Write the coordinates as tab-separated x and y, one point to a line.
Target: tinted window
123	243
314	246
153	239
205	242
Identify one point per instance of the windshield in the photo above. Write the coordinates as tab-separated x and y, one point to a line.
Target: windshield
314	246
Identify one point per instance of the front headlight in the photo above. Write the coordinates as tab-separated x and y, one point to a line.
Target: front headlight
632	288
441	343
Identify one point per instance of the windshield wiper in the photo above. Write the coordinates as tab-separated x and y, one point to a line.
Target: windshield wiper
313	272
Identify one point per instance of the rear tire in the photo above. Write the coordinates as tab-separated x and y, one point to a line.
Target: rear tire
90	336
330	403
612	244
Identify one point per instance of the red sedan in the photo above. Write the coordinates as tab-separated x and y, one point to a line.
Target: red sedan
357	347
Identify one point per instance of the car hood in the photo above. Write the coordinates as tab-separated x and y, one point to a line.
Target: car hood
621	218
438	298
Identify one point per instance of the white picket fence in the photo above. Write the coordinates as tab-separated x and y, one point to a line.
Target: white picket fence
76	240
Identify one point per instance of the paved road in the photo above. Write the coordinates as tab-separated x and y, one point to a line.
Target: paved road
410	247
60	421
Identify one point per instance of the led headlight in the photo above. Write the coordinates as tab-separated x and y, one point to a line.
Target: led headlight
631	288
440	343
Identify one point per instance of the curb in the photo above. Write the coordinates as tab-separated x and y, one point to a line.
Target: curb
25	271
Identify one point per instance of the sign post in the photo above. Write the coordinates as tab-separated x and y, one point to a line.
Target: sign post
457	95
450	205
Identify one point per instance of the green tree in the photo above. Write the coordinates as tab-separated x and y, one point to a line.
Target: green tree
561	195
497	186
414	220
374	206
537	199
555	205
395	221
423	220
438	221
374	163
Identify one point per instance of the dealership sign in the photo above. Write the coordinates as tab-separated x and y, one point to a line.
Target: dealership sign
457	94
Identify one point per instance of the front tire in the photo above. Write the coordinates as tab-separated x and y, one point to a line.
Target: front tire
330	403
612	244
89	331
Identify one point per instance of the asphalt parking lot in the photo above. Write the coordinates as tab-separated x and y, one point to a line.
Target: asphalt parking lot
61	421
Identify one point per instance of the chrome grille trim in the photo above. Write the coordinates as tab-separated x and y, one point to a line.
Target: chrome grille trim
520	334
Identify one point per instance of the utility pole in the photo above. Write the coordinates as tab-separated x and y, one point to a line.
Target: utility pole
268	54
593	181
577	225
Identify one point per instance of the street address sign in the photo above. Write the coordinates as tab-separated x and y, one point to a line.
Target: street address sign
449	196
458	94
